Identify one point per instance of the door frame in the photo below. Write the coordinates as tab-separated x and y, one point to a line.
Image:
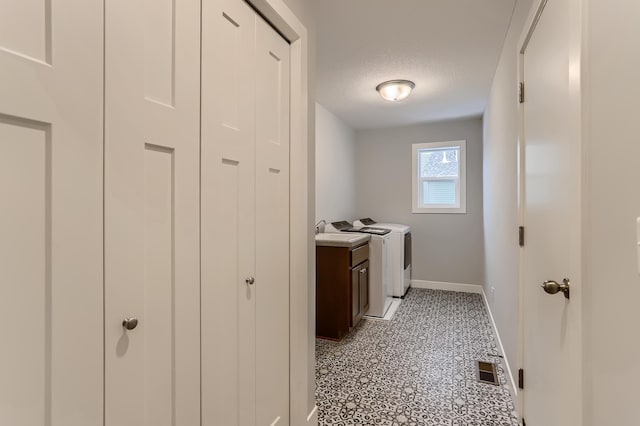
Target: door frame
527	31
579	45
302	406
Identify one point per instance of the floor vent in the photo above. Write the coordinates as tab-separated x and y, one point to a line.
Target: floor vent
487	373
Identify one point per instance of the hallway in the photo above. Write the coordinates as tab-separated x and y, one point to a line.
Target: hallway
417	369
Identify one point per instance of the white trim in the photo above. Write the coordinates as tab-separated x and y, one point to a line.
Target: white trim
438	285
579	43
512	385
529	21
301	243
280	16
312	418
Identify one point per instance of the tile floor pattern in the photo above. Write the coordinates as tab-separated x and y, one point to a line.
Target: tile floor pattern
417	369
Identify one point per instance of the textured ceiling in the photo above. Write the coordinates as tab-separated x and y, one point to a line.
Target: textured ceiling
449	48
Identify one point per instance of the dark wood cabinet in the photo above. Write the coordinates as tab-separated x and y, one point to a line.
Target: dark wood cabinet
359	292
342	289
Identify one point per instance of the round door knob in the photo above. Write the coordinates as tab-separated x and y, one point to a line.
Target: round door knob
553	287
130	323
250	280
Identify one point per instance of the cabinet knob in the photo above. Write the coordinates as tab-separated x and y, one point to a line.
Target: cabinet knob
130	323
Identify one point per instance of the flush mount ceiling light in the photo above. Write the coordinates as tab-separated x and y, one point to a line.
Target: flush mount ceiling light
395	90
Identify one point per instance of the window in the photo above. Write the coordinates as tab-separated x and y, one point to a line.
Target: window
439	177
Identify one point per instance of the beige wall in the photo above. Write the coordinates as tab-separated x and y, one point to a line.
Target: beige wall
612	204
502	254
446	247
335	168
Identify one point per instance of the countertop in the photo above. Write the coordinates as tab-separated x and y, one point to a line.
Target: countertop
344	239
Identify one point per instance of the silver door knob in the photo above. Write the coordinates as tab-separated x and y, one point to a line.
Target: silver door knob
552	287
130	323
250	280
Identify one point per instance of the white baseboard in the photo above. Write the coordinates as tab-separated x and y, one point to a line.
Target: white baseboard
312	418
513	386
437	285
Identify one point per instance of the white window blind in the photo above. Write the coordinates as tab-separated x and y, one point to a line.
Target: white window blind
439	192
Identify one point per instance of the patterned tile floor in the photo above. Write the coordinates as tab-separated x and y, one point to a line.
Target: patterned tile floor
417	369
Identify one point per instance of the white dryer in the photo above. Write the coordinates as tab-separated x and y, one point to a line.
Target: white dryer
400	254
380	256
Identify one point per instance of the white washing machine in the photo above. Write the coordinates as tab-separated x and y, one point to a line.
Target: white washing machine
400	254
380	255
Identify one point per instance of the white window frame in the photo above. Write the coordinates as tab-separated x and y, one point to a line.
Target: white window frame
460	206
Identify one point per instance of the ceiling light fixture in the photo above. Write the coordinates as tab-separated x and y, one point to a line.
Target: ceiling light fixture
395	90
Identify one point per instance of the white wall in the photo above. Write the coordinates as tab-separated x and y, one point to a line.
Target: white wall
612	179
446	247
335	168
500	157
611	172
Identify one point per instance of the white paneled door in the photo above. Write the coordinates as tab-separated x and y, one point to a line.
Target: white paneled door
552	322
245	218
152	86
228	214
272	226
51	213
105	316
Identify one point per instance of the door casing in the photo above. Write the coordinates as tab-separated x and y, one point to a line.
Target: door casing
301	213
579	94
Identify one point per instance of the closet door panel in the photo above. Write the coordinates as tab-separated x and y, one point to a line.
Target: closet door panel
228	214
272	226
51	213
159	290
152	213
160	50
124	203
172	132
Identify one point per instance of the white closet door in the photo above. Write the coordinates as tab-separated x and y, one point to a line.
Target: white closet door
228	213
272	227
152	213
51	213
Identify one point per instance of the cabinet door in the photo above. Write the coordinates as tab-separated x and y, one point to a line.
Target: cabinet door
356	308
364	287
152	89
51	61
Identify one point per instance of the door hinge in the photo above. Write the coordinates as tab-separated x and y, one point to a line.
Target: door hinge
521	378
521	236
521	92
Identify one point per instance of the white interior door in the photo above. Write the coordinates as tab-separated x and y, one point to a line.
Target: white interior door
272	226
245	218
51	213
152	213
552	323
228	213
